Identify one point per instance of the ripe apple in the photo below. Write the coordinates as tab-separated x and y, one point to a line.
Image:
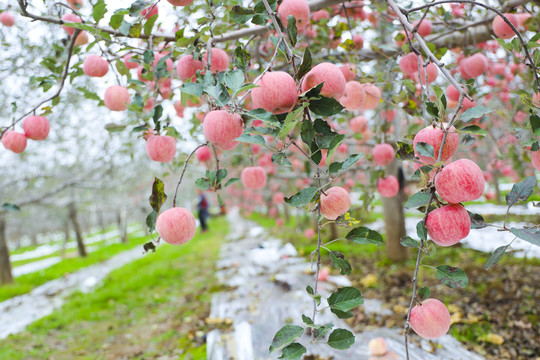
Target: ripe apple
430	319
36	127
14	141
221	128
253	177
433	135
460	181
388	186
383	154
116	98
176	226
276	93
330	75
161	148
95	66
448	224
336	202
297	8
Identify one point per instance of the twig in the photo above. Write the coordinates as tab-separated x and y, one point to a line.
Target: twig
58	92
319	243
183	171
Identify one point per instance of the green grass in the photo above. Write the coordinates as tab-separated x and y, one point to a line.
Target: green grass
25	283
153	307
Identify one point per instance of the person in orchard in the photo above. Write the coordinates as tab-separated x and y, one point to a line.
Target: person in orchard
202	208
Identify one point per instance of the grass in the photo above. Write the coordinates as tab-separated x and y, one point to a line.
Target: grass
151	308
25	283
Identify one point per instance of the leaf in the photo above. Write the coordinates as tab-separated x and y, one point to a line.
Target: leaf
363	235
474	113
234	79
337	139
291	121
342	166
231	181
124	28
264	116
285	336
158	196
281	159
495	256
521	191
99	11
192	89
452	276
405	151
408	241
341	339
241	58
425	149
307	132
151	220
345	299
305	66
535	124
11	207
293	351
240	14
149	246
251	139
323	330
340	262
424	293
530	235
421	230
419	199
302	198
203	183
325	106
473	129
432	109
477	221
291	29
149	25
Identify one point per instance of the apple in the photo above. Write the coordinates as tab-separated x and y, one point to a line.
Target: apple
336	202
219	60
330	75
383	154
253	177
297	8
433	135
460	181
388	186
430	319
36	127
161	148
116	98
448	224
276	93
95	66
176	226
14	141
221	128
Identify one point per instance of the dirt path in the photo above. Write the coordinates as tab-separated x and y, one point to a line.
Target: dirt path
268	282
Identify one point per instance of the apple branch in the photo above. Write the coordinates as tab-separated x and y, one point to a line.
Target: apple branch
60	88
183	171
409	27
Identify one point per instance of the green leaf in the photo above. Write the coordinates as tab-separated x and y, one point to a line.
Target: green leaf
234	79
293	351
149	25
345	299
495	256
151	220
116	20
240	14
291	29
149	246
341	339
11	207
305	66
220	175
342	166
425	149
302	198
477	221
535	124
418	199
291	121
472	129
424	293
530	235
99	11
203	183
339	261
281	159
325	106
432	109
124	28
474	113
265	116
241	58
408	241
307	132
452	276
521	191
334	144
363	235
219	93
285	336
158	196
251	139
192	89
421	230
231	181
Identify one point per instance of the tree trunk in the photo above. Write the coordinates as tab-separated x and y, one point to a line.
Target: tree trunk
33	239
5	263
77	228
394	220
121	226
66	238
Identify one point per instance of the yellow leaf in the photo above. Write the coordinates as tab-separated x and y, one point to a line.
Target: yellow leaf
492	339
